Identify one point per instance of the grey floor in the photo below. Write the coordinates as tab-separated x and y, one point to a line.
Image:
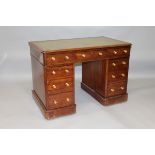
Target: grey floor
18	109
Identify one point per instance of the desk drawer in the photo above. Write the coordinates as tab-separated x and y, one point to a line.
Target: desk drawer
60	85
117	89
119	75
119	52
84	56
92	55
59	72
60	100
54	59
100	54
118	64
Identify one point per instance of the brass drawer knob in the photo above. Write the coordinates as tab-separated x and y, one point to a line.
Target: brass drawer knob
55	102
67	84
100	53
115	52
83	55
53	72
53	58
113	64
123	75
124	62
66	70
113	76
54	86
122	88
125	51
67	57
67	99
112	90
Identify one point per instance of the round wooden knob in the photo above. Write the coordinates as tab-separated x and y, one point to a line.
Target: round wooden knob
113	76
66	70
122	88
124	62
115	52
112	90
67	57
67	84
100	53
123	75
67	99
54	86
83	55
125	51
113	64
53	58
53	72
55	102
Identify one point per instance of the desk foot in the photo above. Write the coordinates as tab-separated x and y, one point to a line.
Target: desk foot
103	100
53	113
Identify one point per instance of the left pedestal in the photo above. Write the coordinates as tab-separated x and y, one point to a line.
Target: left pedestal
53	88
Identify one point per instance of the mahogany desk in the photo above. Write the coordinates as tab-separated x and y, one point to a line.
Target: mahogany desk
105	64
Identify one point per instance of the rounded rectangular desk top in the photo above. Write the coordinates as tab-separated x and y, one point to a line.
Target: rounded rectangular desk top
77	43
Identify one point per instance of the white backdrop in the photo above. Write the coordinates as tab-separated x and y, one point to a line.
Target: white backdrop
15	68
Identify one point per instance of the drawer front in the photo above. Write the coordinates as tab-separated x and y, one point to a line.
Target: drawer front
53	59
118	64
60	85
119	52
117	76
117	89
100	54
59	72
84	56
92	55
60	100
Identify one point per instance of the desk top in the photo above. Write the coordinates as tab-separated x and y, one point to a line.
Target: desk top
77	43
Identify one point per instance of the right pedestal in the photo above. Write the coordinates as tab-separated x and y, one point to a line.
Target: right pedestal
106	80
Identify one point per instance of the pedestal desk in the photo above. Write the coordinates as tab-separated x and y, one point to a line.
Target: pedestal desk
105	64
